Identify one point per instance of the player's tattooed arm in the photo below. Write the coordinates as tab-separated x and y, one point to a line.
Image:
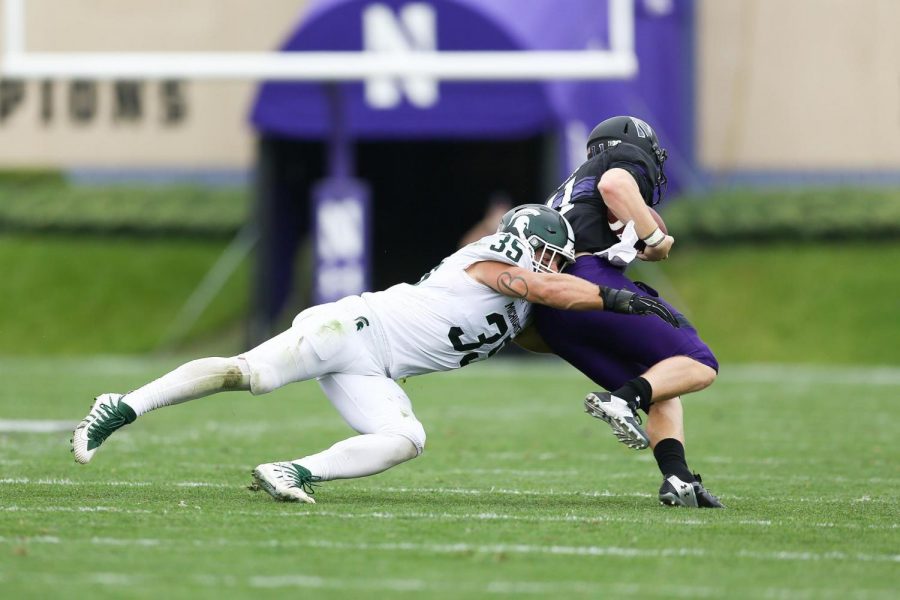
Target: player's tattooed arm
553	289
512	285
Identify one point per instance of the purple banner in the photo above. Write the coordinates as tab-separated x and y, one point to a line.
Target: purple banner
342	239
422	108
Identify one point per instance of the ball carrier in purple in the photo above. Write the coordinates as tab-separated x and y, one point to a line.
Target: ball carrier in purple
644	363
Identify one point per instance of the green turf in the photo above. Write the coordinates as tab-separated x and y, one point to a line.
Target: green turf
807	303
48	204
519	494
804	303
70	295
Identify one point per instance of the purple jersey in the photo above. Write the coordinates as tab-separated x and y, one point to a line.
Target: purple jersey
580	202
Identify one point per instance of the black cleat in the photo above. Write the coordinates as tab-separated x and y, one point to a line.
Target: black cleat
675	492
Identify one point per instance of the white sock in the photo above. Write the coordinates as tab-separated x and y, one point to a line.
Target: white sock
360	456
191	380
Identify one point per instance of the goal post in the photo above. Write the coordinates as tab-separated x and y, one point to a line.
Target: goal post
618	62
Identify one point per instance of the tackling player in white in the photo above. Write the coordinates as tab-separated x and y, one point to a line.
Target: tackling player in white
464	310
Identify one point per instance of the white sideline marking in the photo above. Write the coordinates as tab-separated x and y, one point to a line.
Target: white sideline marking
76	509
26	480
554	589
756	477
51	481
560	519
526	456
306	581
380	515
505	491
465	548
117	579
607	494
144	542
198	484
516	472
314	581
457	491
38	539
35	426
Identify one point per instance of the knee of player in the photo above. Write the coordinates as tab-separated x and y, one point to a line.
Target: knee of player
704	376
413	432
261	378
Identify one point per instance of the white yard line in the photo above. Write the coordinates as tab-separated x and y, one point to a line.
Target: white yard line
35	426
467	548
567	588
307	581
753	477
452	491
591	519
303	513
75	509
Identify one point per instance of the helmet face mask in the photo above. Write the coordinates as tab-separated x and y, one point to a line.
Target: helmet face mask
547	234
634	131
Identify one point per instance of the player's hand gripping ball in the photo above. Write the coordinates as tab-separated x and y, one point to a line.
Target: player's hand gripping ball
617	226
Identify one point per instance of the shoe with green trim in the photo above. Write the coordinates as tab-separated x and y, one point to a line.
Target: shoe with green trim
107	414
286	481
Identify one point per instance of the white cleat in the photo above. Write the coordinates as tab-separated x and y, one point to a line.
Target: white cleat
286	481
625	423
107	415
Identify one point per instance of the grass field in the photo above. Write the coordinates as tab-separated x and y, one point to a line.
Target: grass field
813	303
121	294
519	494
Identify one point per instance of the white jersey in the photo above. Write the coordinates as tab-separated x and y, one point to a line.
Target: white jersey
448	319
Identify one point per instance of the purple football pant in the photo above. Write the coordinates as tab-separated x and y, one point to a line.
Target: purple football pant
613	348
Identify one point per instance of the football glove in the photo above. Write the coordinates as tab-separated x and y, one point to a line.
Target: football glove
629	303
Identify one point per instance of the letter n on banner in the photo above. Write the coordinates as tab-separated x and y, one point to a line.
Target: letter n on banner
341	221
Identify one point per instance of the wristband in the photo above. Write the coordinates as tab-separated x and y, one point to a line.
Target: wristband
655	239
615	300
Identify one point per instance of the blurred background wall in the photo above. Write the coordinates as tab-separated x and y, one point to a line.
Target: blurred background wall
798	85
171	124
784	86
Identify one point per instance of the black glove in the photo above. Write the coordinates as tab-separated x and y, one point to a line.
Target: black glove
629	303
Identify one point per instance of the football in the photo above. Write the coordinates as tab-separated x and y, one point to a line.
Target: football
617	226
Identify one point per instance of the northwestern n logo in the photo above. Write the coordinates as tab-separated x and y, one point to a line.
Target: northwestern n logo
412	30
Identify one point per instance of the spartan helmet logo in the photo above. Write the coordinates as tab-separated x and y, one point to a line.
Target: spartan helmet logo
521	221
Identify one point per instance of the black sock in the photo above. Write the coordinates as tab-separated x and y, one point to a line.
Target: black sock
669	454
636	392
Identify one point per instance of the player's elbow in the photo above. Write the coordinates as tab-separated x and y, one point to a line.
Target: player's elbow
615	185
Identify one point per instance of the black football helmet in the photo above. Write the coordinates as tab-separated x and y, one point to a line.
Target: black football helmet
546	232
634	131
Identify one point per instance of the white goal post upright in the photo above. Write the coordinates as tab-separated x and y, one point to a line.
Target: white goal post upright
13	28
618	62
